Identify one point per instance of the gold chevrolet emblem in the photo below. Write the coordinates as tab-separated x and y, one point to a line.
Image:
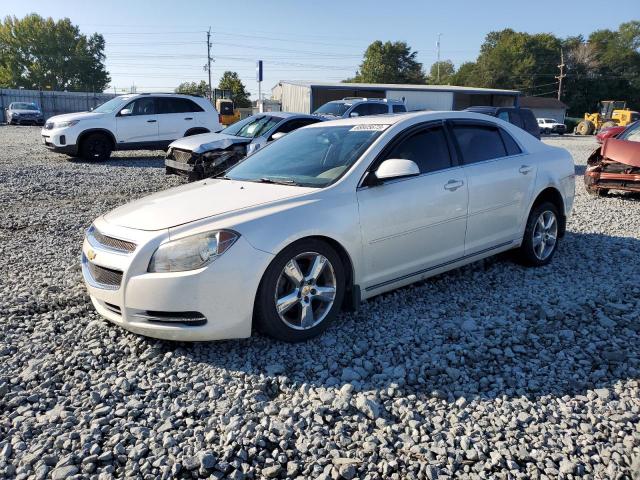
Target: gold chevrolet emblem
91	254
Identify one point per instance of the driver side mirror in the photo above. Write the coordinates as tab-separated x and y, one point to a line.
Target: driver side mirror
354	114
396	168
125	111
277	135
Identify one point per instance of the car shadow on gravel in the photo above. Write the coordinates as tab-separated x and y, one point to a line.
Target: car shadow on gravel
488	330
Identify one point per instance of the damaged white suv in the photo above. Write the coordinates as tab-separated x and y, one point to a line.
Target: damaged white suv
130	122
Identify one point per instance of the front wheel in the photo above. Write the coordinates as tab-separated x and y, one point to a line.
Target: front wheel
540	235
96	147
301	291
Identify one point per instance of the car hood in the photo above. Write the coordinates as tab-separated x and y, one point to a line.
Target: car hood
206	142
195	201
20	111
75	116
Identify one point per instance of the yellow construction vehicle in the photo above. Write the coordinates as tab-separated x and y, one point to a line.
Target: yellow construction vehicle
227	113
612	113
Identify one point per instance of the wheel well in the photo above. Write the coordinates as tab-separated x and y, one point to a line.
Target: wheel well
106	133
195	131
550	194
352	295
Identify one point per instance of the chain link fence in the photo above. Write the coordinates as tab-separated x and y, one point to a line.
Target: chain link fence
51	102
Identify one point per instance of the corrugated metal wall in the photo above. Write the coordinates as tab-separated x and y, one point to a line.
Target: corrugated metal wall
421	100
53	103
293	98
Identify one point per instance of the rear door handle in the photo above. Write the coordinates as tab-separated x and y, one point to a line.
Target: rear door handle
453	185
151	121
524	169
188	118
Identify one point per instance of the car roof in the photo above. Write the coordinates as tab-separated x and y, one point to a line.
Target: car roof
288	115
397	118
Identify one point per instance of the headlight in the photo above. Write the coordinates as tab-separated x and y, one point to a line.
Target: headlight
192	252
69	123
15	114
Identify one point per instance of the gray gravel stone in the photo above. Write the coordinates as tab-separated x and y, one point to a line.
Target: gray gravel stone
489	371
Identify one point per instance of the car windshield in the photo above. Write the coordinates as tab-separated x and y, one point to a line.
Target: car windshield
632	133
336	109
252	127
24	106
110	106
310	157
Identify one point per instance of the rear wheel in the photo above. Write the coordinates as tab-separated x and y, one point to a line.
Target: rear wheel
96	147
540	236
301	291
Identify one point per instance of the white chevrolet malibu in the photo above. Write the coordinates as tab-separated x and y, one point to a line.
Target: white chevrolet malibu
330	215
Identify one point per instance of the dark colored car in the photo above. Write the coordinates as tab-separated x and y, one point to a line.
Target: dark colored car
616	164
520	117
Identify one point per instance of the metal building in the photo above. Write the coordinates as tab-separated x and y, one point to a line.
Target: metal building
306	97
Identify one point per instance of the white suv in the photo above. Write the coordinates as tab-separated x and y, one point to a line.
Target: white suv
360	107
130	122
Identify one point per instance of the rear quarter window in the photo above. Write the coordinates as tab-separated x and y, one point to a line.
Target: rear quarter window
399	109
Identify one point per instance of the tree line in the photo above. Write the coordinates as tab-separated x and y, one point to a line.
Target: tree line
604	65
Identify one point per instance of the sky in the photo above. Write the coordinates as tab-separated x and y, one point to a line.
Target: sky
156	45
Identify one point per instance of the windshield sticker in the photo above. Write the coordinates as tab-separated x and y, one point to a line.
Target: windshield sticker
373	127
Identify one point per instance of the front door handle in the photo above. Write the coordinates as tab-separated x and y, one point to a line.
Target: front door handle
453	185
188	118
524	169
151	121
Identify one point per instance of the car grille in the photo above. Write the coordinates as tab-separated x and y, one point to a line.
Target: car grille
105	276
181	155
48	126
111	242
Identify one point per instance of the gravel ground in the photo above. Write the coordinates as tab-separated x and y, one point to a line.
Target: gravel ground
490	371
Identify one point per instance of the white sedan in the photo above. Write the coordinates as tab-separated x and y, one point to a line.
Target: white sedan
332	214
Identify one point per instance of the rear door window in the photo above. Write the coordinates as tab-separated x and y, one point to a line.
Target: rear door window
478	143
177	105
378	108
428	148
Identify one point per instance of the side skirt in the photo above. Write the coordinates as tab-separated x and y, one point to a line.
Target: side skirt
442	267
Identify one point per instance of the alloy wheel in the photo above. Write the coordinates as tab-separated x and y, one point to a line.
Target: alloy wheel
545	235
305	291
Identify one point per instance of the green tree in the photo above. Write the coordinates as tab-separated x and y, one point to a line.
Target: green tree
447	71
42	53
466	75
193	88
510	59
389	63
239	94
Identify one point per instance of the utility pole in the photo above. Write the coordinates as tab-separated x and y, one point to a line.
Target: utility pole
438	61
562	74
209	62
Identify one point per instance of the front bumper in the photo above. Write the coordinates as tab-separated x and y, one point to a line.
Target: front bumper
156	304
27	121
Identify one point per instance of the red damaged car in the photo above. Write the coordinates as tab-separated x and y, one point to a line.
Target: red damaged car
608	133
616	164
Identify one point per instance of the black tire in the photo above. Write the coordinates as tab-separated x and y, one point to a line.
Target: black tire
96	147
268	319
585	127
546	131
526	253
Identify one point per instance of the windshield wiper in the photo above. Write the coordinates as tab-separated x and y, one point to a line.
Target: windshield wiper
278	181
